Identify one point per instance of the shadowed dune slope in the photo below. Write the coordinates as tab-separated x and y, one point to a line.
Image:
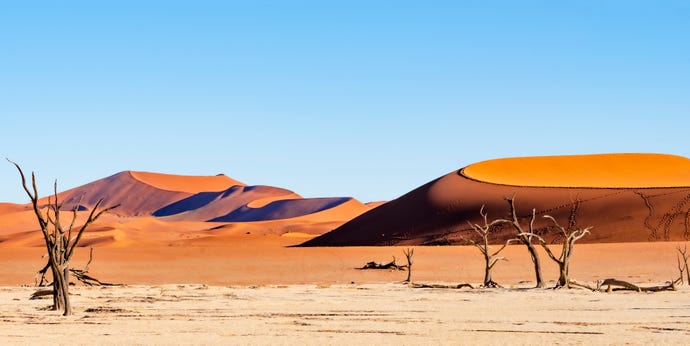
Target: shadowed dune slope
210	205
438	212
281	209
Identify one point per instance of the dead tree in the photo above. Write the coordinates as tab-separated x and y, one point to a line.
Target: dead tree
409	252
683	266
620	285
490	258
526	238
60	242
390	265
569	236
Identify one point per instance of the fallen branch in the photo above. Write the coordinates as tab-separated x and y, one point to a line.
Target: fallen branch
41	293
610	285
572	282
626	286
390	265
79	274
89	280
459	286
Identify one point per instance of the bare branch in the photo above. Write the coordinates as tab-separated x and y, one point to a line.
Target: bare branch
503	247
74	218
495	260
93	216
21	173
556	224
543	243
582	233
86	268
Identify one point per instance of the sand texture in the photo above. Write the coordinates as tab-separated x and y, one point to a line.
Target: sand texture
382	314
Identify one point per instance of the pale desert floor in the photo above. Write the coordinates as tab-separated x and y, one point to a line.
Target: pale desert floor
368	314
261	292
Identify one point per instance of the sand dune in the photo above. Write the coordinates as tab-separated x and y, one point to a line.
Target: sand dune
185	183
603	171
171	209
134	196
240	209
163	209
281	209
438	212
7	208
210	205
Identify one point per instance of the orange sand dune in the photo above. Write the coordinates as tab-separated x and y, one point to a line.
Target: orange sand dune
117	231
603	170
141	193
6	208
437	212
185	183
163	209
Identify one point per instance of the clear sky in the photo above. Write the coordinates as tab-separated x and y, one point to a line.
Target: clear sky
333	98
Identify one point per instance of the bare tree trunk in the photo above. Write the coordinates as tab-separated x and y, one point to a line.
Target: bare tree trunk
563	275
65	290
526	239
408	254
683	266
57	293
570	235
490	258
534	256
488	281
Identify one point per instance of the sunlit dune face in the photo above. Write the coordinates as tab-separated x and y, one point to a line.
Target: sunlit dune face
183	183
599	171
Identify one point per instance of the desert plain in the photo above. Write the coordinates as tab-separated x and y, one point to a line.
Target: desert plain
288	295
210	260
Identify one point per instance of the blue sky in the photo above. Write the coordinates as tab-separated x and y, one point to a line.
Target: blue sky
333	98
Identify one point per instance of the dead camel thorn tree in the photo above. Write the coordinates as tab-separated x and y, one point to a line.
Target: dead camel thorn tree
59	242
409	252
683	265
526	238
490	258
569	236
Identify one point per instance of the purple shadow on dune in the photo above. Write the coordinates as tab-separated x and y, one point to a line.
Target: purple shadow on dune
224	201
282	209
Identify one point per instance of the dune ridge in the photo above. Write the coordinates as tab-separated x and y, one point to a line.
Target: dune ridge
185	183
162	209
627	170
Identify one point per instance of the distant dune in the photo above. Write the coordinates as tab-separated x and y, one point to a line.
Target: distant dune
186	183
158	209
205	206
281	209
140	193
626	197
